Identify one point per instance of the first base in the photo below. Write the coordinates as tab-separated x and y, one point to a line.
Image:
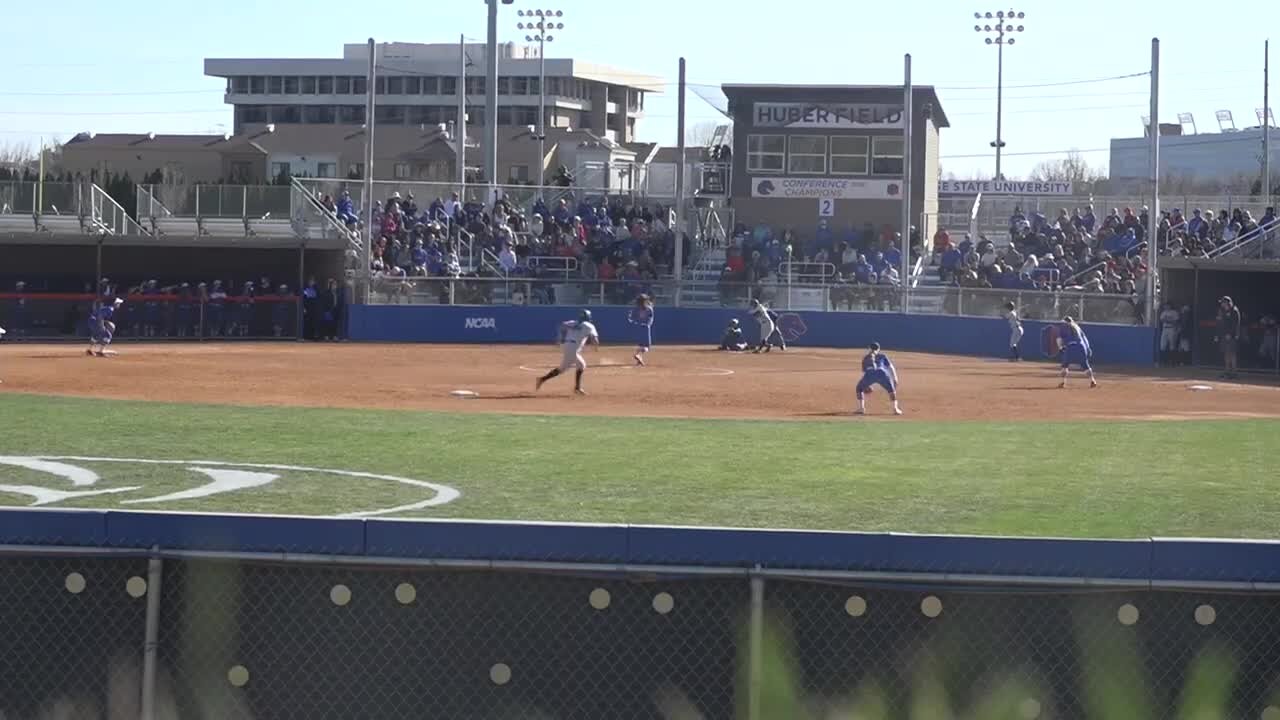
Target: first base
464	394
1199	387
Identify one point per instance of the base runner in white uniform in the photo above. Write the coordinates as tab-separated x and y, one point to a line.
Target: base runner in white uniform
1170	325
574	335
1015	331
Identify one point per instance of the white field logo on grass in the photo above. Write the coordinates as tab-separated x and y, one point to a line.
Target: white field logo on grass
210	478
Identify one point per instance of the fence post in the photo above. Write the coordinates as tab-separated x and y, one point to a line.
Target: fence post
151	642
755	647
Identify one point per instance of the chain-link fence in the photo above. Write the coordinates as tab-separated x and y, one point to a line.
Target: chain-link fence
109	637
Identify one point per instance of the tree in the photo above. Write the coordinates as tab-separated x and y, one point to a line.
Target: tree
700	134
1072	168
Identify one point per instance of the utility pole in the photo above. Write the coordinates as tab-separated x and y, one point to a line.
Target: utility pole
462	112
369	110
1153	221
1002	30
491	101
907	110
678	268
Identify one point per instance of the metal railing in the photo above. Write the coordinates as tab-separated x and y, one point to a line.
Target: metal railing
241	636
498	289
1257	243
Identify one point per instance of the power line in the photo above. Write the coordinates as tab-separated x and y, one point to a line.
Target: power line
1209	139
1063	83
109	93
121	112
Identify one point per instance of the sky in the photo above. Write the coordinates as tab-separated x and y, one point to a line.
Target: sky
134	67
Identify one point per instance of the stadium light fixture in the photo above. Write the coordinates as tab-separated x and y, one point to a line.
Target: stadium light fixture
1001	32
540	24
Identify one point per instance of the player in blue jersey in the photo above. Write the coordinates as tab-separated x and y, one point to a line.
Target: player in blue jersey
102	327
642	317
1073	349
877	370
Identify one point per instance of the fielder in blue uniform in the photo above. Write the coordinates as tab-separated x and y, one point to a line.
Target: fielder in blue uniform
877	370
642	317
101	327
1073	349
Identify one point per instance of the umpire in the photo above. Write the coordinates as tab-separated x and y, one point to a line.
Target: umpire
1229	323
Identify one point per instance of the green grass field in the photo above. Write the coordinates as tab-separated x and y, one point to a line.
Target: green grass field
1051	479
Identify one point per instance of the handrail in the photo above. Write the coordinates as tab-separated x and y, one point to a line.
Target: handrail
1262	231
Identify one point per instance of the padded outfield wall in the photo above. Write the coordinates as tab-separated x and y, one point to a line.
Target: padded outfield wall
266	617
1112	344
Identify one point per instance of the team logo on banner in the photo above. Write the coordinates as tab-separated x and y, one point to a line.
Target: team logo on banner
791	326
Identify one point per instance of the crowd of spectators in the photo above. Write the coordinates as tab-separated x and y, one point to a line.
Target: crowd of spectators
861	263
1202	233
596	238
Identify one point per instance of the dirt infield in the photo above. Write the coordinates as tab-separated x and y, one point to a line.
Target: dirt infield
802	383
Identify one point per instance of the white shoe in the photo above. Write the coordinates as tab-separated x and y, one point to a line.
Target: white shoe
859	411
1093	383
897	411
580	391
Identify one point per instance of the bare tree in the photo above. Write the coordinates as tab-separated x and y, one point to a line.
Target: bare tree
17	153
700	134
1073	169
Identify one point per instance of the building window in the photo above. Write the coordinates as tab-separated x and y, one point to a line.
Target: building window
849	155
524	116
504	86
403	171
504	115
389	114
535	85
275	85
253	113
241	172
359	85
520	86
807	154
412	86
355	171
280	169
240	84
325	85
518	174
448	86
344	85
766	153
381	85
351	114
475	115
395	86
886	156
308	84
475	85
319	114
326	169
286	114
290	86
553	86
257	85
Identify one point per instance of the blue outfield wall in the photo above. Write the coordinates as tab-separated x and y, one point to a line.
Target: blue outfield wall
1112	344
1130	561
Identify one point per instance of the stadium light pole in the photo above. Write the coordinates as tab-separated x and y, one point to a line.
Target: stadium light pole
491	97
541	32
1000	29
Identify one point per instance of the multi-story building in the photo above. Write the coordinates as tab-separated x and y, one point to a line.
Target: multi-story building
1231	159
418	85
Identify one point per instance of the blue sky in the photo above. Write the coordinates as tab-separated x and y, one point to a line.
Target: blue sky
117	67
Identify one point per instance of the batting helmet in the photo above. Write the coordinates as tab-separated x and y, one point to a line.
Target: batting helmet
584	316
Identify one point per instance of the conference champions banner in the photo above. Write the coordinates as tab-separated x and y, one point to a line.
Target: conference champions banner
825	188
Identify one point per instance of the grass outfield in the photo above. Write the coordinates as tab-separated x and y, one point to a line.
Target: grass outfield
1114	479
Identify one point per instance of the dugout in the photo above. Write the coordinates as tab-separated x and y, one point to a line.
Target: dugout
1255	288
806	153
